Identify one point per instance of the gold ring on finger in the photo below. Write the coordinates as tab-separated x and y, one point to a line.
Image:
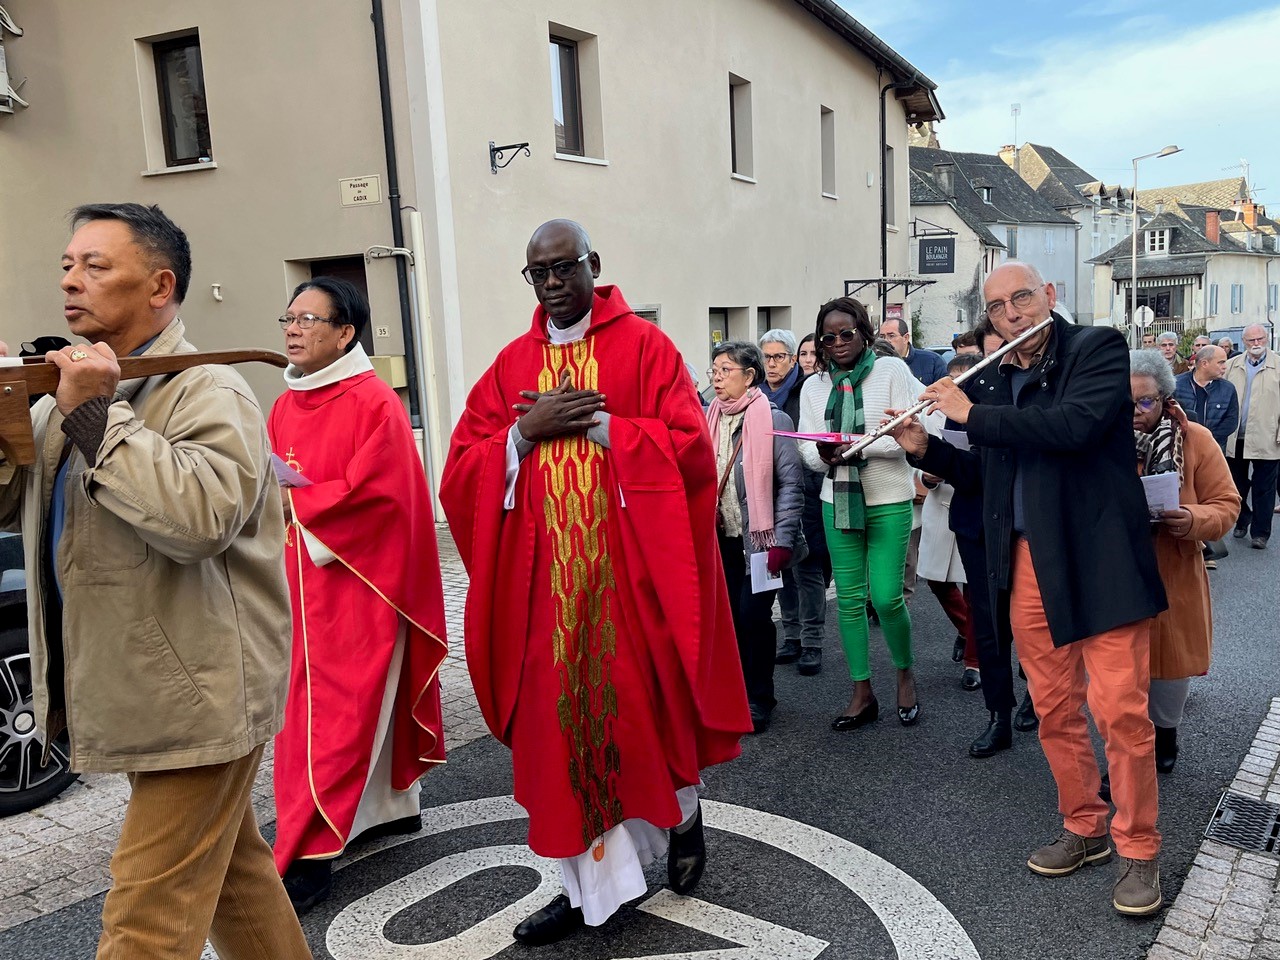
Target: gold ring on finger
78	354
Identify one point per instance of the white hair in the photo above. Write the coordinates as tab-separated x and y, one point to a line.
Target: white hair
1151	363
784	337
1167	337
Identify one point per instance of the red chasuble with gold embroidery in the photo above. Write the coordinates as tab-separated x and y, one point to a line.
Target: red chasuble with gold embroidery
598	631
369	504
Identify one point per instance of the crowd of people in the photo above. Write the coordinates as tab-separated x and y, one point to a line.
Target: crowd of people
250	578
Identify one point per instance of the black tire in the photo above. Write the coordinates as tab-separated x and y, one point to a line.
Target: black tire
24	783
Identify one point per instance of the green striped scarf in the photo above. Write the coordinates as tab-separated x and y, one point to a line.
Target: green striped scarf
844	415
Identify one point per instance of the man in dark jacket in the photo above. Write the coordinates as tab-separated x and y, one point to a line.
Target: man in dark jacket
803	597
1070	565
1205	393
926	366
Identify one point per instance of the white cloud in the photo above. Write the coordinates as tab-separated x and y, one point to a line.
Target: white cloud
1122	94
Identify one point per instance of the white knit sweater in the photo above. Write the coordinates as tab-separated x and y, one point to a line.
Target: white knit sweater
886	478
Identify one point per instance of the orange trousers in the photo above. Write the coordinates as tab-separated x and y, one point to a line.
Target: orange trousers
1118	668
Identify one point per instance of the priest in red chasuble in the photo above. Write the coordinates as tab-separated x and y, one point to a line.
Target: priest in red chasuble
581	489
362	720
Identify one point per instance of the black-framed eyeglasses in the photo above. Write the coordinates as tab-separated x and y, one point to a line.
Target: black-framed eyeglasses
776	357
829	339
1147	404
305	321
995	309
563	269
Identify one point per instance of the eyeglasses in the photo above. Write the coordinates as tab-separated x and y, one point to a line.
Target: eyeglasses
995	309
716	373
776	357
564	269
1147	404
305	321
829	339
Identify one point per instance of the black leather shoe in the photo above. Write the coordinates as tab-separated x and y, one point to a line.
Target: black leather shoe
998	736
957	649
1259	543
789	652
553	922
308	883
810	663
1025	718
687	856
868	714
392	828
972	679
1166	748
873	618
1240	533
759	718
907	716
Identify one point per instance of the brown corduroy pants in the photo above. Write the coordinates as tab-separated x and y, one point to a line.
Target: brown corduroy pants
192	865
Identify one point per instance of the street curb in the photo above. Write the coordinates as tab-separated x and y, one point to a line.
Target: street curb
1228	907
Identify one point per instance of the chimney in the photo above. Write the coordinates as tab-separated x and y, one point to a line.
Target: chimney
944	175
1211	226
1251	215
1159	207
1008	153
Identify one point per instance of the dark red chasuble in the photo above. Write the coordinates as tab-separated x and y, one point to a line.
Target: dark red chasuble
598	631
369	504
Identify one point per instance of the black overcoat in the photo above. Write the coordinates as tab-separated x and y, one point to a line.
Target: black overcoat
1071	431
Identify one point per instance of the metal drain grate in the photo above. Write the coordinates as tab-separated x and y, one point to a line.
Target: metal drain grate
1244	822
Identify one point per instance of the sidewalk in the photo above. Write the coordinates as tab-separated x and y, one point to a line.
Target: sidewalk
58	854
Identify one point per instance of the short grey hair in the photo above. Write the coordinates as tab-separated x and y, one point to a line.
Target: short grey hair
784	337
1167	337
1151	363
1207	353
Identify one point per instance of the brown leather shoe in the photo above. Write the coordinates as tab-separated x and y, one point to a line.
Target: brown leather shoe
1068	854
1137	892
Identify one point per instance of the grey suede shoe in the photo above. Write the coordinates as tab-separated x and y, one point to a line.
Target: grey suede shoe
1137	892
1068	854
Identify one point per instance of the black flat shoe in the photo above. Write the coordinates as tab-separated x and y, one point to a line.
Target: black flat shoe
868	714
759	718
308	883
1104	791
553	922
1166	748
972	679
392	828
957	650
998	736
687	856
1025	720
789	652
907	716
810	663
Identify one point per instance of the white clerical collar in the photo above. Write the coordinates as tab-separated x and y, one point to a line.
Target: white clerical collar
354	362
568	334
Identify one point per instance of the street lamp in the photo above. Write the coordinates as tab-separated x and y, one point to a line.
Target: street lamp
1137	222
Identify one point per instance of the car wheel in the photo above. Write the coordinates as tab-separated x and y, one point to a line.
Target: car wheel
24	781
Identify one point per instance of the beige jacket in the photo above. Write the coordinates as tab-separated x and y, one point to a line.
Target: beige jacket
1262	432
175	605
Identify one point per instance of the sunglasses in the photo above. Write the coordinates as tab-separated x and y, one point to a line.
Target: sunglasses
829	339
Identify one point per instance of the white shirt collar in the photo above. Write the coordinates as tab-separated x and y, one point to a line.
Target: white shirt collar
350	364
568	334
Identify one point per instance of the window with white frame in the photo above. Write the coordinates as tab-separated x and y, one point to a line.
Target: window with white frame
1237	298
1273	296
1048	241
576	113
827	118
740	159
1213	300
1157	241
1011	241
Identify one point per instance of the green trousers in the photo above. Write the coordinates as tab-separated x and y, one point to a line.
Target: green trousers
870	563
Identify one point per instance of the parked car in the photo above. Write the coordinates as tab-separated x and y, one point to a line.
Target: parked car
26	781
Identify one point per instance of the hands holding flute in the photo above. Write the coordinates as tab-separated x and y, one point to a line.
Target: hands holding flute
910	433
946	396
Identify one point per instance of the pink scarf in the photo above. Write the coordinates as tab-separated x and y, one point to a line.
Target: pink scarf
757	457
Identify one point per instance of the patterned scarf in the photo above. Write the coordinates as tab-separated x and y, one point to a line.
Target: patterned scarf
844	415
1161	450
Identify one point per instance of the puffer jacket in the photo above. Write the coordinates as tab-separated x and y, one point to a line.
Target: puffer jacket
788	491
175	610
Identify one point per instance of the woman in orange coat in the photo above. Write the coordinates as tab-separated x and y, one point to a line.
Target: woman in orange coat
1181	636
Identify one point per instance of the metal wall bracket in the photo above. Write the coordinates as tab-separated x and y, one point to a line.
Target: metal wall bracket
496	153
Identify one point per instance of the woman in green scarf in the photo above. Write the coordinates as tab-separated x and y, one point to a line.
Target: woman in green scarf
866	502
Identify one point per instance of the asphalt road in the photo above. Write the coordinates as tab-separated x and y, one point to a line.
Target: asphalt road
952	833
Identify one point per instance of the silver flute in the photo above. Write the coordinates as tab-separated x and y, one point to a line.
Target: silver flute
906	415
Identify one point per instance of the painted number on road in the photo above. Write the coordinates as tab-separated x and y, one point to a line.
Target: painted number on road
920	927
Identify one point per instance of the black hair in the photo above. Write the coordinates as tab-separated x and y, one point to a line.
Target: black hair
903	329
163	240
808	338
745	354
861	323
349	303
962	362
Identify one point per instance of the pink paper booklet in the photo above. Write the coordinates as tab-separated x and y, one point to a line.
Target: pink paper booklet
821	437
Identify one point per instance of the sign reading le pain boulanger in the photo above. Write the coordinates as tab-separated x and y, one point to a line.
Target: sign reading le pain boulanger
937	254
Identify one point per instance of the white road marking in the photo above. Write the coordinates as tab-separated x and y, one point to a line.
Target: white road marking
919	926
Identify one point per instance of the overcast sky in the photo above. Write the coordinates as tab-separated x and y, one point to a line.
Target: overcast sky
1103	81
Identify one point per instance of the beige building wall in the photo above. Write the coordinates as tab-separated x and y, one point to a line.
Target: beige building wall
672	225
293	107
